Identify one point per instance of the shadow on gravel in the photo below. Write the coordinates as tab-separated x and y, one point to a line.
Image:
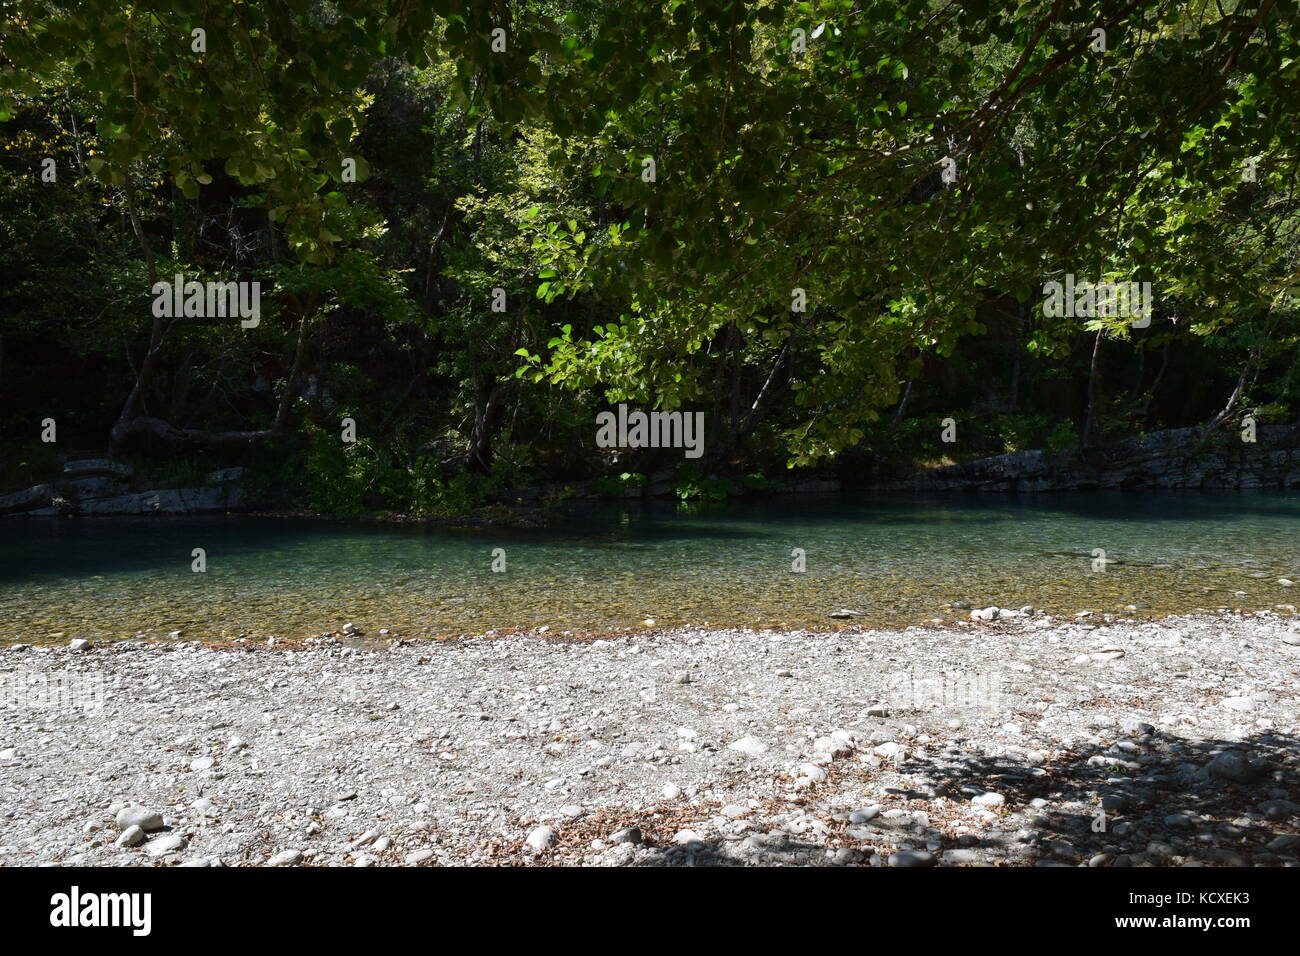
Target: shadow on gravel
758	850
1146	798
1142	798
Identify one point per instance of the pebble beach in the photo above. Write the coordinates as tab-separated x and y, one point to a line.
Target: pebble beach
1014	739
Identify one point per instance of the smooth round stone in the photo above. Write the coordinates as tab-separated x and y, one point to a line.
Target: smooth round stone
541	838
911	858
131	836
286	858
169	843
627	835
142	817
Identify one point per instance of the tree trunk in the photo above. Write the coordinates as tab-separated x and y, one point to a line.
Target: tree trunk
1240	387
902	406
1091	425
486	403
87	199
762	400
157	334
733	416
1160	375
1013	400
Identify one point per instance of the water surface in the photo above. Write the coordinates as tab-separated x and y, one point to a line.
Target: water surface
896	559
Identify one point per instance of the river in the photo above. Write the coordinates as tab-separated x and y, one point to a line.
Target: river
895	559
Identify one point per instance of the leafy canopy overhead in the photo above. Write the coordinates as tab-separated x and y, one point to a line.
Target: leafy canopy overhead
794	145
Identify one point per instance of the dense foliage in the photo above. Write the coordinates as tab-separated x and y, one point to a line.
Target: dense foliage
826	225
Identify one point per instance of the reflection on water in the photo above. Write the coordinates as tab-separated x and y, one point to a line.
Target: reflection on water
897	560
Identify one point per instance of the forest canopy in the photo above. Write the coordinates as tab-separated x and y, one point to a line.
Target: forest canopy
827	226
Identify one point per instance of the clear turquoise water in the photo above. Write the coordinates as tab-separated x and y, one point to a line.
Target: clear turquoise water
897	559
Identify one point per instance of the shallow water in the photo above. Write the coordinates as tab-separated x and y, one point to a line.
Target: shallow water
896	559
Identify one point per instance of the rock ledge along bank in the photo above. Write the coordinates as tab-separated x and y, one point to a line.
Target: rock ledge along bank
1174	458
1025	742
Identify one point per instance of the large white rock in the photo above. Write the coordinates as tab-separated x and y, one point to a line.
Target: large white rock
167	843
138	816
751	746
540	838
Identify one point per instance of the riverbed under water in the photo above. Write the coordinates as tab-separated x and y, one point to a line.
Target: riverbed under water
896	559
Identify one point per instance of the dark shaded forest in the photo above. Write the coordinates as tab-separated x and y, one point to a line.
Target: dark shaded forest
828	226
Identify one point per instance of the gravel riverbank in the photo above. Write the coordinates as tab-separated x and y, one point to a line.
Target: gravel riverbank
1023	741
